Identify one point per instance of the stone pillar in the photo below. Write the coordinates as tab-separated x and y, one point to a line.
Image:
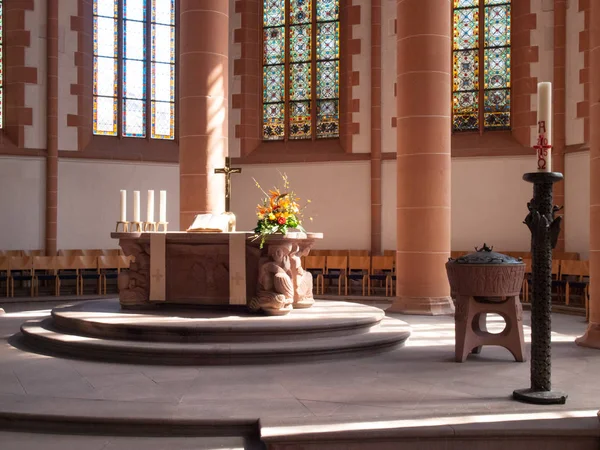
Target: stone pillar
423	157
52	127
559	125
376	208
592	336
203	106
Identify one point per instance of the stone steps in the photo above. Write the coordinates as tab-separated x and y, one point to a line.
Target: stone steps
99	330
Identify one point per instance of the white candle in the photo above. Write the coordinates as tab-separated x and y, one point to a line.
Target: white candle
544	123
162	208
136	206
123	205
150	209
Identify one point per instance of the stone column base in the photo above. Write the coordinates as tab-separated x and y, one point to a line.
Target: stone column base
591	338
426	306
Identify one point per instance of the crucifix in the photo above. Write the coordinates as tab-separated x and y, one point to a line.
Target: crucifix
227	171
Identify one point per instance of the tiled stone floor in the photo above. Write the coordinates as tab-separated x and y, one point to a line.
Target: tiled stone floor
420	381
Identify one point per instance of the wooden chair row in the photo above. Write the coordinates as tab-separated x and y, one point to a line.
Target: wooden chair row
33	269
73	252
566	274
559	256
365	269
563	256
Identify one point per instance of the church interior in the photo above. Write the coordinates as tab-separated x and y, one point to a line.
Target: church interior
299	224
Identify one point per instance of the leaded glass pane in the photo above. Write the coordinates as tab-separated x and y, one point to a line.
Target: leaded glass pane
134	118
327	40
327	10
465	3
105	116
273	84
466	70
497	67
497	26
273	121
1	104
300	43
497	109
274	46
466	111
300	11
163	82
134	79
327	79
466	29
496	2
300	121
300	81
328	119
105	37
163	120
273	13
134	40
134	9
163	43
108	8
105	85
163	11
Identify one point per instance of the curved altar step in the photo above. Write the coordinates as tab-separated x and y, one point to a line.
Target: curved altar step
105	319
98	330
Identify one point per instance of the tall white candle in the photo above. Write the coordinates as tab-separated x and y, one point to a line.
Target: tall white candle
136	206
150	208
544	123
123	206
162	208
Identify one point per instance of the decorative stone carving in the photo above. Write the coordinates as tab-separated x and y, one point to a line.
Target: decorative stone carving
283	283
134	289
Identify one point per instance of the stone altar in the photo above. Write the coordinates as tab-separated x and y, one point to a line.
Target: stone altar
217	269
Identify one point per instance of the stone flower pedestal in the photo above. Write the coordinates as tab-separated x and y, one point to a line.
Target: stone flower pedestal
283	284
487	282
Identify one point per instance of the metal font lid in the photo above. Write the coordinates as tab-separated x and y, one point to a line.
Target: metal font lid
486	255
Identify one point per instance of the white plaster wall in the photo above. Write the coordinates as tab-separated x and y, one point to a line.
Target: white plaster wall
341	200
35	94
489	203
575	62
577	200
388	75
23	200
235	83
543	37
88	198
361	142
67	75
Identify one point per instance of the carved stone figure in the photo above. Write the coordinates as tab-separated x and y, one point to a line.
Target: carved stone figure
275	285
303	280
134	291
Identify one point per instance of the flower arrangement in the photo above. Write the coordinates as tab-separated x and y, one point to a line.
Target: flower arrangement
278	212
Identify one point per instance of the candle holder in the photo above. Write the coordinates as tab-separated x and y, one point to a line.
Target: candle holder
136	227
124	225
164	226
545	229
149	226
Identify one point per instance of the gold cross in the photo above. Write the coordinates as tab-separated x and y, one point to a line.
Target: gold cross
228	170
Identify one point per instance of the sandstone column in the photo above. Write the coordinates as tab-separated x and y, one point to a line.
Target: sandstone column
376	209
203	110
52	128
559	138
592	336
423	156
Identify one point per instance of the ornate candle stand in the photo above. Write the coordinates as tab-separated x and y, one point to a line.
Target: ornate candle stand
544	234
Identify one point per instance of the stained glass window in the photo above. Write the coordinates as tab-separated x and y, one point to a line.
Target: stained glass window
481	65
134	68
300	69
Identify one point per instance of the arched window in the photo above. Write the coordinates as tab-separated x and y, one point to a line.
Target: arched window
134	68
1	66
481	65
301	69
